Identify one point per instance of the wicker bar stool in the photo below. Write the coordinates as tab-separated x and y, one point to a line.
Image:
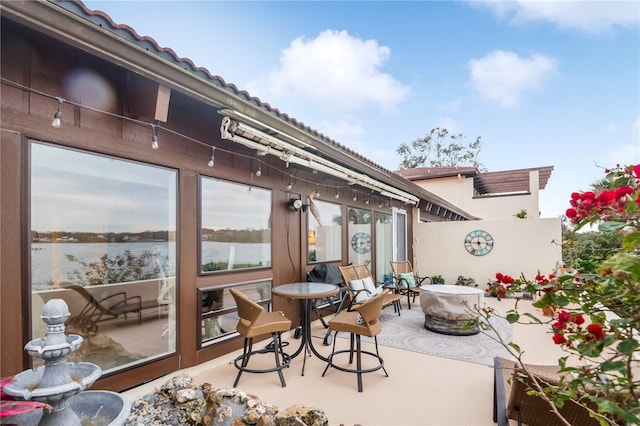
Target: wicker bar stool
363	322
255	322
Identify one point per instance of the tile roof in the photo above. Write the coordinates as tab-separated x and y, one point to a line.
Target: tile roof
103	20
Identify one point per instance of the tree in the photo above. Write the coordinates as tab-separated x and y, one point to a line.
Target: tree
441	149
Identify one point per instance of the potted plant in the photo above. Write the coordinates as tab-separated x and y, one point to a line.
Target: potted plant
437	279
462	280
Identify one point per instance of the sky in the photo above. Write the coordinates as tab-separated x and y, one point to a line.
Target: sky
544	83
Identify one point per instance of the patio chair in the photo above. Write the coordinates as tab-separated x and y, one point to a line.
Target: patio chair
407	282
511	401
109	307
330	274
254	321
360	286
363	322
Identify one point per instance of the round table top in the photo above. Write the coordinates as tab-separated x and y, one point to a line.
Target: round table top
451	289
305	290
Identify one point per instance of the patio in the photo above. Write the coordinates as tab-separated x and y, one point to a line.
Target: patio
420	389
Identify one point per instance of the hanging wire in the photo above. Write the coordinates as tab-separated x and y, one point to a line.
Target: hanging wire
154	140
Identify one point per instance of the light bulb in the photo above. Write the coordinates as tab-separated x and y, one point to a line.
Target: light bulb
259	171
56	122
355	197
57	116
212	159
154	142
289	186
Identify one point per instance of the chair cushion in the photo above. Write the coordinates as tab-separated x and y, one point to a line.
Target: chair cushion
369	286
408	278
355	286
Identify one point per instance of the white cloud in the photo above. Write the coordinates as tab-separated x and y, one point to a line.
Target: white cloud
624	154
587	16
334	71
505	77
343	129
451	106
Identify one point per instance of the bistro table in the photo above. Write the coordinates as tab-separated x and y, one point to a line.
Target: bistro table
306	292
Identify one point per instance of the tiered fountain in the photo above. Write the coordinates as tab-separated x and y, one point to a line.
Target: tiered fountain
61	384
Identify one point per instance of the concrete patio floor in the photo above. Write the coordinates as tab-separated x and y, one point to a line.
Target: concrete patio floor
420	389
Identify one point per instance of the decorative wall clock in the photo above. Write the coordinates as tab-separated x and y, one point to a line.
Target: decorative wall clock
361	242
478	242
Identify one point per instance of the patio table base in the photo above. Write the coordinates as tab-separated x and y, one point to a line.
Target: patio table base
464	327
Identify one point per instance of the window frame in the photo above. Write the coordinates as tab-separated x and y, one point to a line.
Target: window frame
200	203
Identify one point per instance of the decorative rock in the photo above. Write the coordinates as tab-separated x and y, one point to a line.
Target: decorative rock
180	402
184	395
299	415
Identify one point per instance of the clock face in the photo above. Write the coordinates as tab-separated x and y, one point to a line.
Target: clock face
478	243
361	242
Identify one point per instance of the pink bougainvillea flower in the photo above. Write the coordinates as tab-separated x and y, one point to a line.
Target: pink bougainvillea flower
636	171
578	319
596	330
559	339
564	316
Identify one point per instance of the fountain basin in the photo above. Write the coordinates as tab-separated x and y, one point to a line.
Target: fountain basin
39	349
94	408
27	383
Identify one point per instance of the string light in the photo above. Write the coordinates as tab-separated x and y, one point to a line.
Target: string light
154	137
57	116
57	122
367	201
212	160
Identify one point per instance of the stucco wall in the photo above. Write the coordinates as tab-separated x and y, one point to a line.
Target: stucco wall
459	191
520	246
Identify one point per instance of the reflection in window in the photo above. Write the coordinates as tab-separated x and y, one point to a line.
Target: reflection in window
359	236
103	239
218	310
325	231
235	226
384	246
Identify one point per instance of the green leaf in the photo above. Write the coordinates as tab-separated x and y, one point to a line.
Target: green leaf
611	226
533	317
631	241
515	347
513	317
612	366
628	346
560	300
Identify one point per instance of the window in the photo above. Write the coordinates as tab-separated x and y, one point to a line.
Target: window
384	245
359	236
325	232
103	239
235	226
219	313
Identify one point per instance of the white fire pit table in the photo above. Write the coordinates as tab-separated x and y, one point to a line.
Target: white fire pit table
448	308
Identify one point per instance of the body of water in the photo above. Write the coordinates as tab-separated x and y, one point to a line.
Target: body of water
49	261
